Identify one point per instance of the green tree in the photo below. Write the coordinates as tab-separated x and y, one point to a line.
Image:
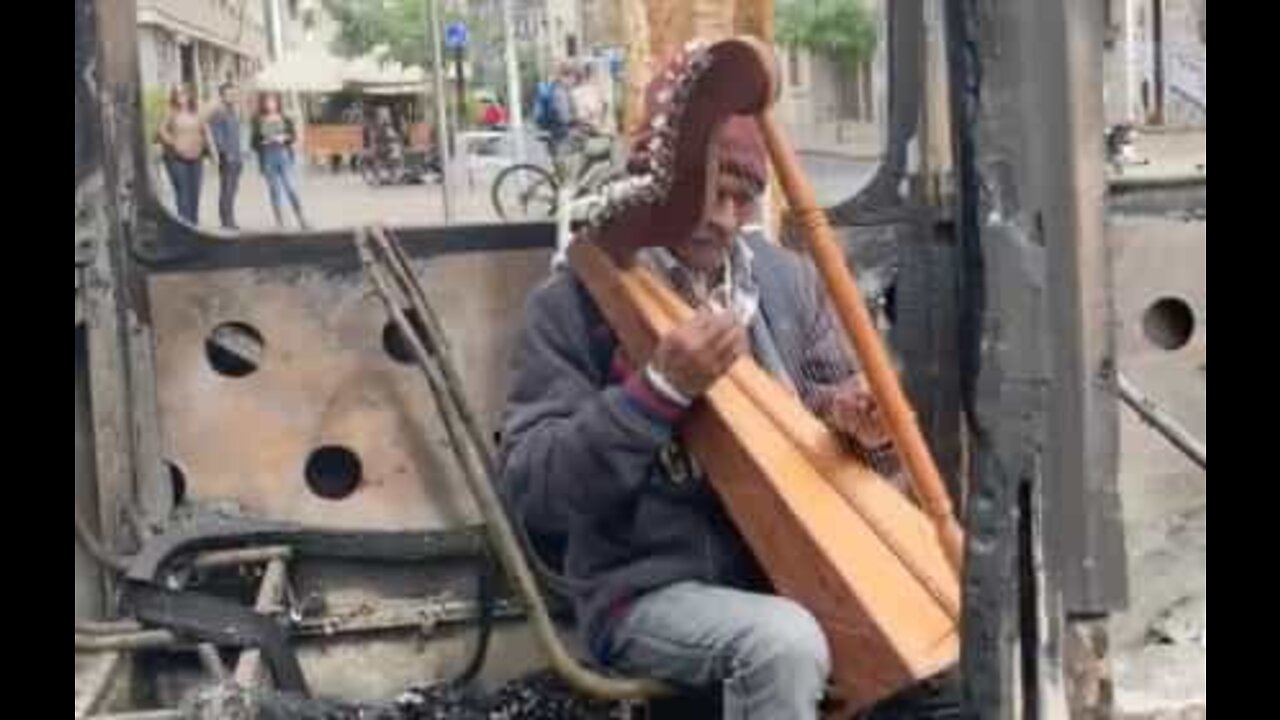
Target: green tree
844	30
398	25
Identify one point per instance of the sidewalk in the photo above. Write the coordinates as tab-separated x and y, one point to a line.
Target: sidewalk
341	200
849	141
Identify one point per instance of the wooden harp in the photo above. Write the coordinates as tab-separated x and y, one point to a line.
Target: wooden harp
877	572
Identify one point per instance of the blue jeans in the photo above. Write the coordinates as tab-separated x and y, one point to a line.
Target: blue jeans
228	188
769	653
277	168
186	177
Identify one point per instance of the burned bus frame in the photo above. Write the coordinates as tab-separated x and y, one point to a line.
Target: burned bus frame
1031	325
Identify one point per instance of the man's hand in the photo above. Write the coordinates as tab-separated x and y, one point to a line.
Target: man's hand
696	354
854	411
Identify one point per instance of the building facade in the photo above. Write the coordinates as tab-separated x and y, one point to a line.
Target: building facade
204	43
1156	62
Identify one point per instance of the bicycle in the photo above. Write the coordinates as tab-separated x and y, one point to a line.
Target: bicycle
527	191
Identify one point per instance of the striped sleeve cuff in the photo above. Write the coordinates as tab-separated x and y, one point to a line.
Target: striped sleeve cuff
644	399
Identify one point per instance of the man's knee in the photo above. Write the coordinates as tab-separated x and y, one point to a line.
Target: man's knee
790	640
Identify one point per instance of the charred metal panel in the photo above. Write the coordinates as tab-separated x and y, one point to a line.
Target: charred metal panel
925	333
1037	331
125	437
1084	529
85	144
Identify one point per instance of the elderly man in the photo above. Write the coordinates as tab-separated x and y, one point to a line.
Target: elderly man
666	586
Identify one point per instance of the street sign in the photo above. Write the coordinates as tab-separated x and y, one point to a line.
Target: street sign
456	36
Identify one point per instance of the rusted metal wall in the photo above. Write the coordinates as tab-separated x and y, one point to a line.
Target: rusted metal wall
310	366
319	373
1162	260
1159	644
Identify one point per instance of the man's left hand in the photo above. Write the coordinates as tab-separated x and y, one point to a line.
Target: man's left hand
855	411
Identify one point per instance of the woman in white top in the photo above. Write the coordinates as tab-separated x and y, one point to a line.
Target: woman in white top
185	140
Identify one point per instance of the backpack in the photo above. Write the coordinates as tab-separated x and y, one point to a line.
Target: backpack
545	114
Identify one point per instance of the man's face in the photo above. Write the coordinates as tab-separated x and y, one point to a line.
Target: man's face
708	248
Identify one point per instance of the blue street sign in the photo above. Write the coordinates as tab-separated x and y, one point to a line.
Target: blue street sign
456	36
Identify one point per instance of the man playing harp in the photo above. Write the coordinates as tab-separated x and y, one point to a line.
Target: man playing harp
666	587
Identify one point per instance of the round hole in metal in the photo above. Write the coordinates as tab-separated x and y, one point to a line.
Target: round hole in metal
398	346
235	349
1169	323
334	472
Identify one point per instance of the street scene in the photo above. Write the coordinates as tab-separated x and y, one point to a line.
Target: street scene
361	107
345	199
614	359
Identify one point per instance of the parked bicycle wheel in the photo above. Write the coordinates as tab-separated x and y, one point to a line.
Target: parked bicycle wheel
525	192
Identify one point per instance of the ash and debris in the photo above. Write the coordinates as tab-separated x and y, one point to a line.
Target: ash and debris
536	697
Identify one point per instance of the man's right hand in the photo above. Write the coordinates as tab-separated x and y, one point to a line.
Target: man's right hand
695	355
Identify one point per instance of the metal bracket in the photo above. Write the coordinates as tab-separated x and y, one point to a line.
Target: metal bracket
224	622
215	620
